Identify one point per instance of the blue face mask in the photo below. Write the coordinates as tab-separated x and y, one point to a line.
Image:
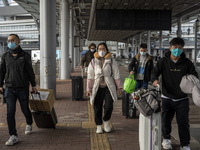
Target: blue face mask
176	52
12	45
143	53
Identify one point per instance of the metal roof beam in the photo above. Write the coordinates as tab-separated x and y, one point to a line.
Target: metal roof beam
12	10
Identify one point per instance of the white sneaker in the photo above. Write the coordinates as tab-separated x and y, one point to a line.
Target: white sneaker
185	148
99	129
12	140
167	144
106	126
28	129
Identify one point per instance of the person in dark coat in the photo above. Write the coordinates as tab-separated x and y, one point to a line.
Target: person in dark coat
16	74
88	56
141	66
172	68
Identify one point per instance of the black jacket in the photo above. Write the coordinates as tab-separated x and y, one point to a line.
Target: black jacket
87	58
172	74
133	66
17	71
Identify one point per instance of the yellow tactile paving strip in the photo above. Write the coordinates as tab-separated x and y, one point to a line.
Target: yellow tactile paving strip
97	141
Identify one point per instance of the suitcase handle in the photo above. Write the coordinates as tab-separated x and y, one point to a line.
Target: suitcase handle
32	92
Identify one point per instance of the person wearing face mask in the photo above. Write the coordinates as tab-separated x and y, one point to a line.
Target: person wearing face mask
141	66
103	83
16	73
172	68
89	55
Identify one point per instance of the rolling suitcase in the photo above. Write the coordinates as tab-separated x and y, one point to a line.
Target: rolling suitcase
77	88
150	132
44	119
128	107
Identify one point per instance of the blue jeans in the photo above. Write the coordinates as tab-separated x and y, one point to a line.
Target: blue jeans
141	84
11	95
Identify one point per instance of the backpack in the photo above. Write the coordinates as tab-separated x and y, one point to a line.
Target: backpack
148	101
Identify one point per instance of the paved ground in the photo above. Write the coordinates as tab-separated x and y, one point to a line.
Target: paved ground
76	129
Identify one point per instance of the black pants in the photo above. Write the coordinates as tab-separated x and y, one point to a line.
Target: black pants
181	108
103	99
11	97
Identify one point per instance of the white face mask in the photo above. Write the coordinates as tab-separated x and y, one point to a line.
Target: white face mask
92	50
102	53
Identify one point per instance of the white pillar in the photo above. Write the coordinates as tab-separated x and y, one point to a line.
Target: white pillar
48	44
71	38
65	63
75	51
161	44
117	50
149	42
179	20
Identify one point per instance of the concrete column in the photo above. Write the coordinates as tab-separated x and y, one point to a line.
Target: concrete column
75	50
161	44
65	62
149	41
196	40
117	50
140	39
48	44
179	31
133	47
71	38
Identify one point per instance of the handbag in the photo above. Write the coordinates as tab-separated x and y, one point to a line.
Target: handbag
147	101
129	84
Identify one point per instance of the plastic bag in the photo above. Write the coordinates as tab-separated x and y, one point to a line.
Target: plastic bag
130	84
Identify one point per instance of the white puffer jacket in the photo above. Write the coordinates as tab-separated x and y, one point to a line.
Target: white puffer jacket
111	77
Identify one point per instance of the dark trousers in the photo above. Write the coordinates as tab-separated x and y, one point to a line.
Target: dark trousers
11	97
102	100
181	108
141	84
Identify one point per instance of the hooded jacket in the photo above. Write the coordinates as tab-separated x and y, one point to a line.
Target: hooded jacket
172	74
17	71
110	72
133	66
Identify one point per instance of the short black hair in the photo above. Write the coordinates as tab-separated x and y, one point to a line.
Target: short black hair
177	41
15	35
105	45
143	45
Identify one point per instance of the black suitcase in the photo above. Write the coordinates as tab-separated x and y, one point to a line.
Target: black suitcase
128	108
44	119
77	88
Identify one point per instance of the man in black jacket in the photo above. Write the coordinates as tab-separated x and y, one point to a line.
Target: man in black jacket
16	72
173	67
141	66
89	55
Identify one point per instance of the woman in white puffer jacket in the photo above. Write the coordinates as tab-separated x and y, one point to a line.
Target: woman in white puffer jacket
103	81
